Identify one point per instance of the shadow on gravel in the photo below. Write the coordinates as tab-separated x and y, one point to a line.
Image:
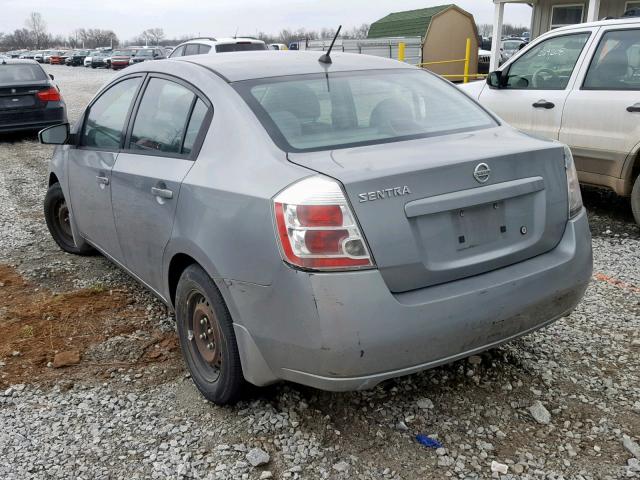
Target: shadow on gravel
608	211
16	137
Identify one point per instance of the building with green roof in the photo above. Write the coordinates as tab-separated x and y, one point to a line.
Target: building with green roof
444	30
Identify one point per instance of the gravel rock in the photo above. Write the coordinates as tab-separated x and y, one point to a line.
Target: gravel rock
257	457
631	446
425	404
540	413
66	359
341	466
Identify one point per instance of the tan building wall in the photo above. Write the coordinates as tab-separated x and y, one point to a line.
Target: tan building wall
446	40
541	22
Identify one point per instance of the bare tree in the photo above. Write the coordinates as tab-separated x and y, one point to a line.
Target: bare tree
156	35
38	28
486	29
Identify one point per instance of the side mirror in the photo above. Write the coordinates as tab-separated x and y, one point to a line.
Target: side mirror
55	135
494	79
51	76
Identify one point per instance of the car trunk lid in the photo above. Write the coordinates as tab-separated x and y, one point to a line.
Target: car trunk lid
429	220
20	96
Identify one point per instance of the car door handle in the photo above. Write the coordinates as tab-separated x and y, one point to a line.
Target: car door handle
102	180
544	104
162	192
634	108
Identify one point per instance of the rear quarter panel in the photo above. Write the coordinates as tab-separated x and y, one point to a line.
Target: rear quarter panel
224	217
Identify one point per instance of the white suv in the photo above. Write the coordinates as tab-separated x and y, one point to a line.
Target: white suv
199	46
580	85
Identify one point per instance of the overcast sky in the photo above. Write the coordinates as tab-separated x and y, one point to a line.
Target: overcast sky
222	17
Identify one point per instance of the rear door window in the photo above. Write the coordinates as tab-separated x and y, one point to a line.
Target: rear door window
161	120
191	49
104	125
204	49
196	122
616	63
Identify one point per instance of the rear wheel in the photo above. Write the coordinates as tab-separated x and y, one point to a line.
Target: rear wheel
207	338
635	200
57	216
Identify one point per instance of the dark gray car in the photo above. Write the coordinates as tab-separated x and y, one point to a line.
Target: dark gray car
333	225
29	98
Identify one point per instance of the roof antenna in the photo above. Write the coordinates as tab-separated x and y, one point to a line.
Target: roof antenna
326	58
236	34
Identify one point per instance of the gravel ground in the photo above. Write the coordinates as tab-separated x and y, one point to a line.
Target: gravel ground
563	403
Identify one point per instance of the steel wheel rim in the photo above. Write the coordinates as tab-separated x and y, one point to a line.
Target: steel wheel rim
205	338
64	222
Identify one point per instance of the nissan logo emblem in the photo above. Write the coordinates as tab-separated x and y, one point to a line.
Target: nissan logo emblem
482	173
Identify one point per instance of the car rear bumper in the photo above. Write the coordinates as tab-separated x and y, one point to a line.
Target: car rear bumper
13	121
347	331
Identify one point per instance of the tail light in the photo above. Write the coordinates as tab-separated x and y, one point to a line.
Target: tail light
317	229
51	94
573	186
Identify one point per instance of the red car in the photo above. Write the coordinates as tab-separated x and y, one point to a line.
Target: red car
120	59
59	58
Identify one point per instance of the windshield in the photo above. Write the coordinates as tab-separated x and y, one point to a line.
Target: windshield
314	112
121	53
240	47
144	53
21	73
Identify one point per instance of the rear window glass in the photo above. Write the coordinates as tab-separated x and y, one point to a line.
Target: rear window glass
21	73
240	47
318	112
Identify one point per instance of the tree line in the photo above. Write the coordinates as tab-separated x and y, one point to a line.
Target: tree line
509	30
34	35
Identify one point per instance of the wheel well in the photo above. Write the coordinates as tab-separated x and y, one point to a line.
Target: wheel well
635	170
53	179
177	265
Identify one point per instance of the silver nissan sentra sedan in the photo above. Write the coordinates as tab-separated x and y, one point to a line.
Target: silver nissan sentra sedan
334	225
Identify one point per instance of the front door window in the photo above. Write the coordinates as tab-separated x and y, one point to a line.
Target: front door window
548	65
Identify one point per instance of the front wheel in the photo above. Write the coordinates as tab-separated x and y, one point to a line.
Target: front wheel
635	200
57	216
207	339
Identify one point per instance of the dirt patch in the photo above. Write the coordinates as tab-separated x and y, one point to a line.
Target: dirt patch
37	323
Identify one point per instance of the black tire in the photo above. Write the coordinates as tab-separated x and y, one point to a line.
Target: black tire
56	213
212	360
635	200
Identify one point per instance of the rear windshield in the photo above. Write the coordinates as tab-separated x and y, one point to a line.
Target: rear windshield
318	112
21	73
122	53
239	47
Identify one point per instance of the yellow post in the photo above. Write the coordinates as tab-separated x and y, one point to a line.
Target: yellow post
467	61
401	47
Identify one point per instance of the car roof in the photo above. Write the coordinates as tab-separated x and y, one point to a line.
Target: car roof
238	66
11	61
635	21
221	41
